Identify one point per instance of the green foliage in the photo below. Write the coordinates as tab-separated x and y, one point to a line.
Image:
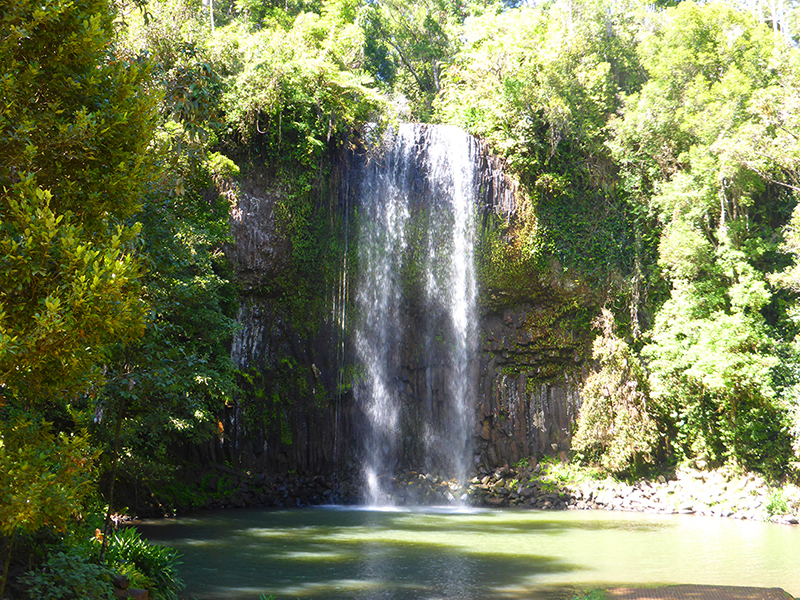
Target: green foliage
68	278
175	495
704	63
687	141
75	117
531	78
70	575
292	92
75	128
777	505
556	473
789	279
174	38
157	564
169	387
175	381
713	370
617	424
44	477
509	258
73	569
407	45
261	14
277	395
539	85
63	298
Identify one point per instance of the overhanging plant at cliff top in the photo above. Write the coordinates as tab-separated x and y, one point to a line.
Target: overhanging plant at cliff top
294	91
539	84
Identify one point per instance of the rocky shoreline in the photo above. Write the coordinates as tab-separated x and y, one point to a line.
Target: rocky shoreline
719	492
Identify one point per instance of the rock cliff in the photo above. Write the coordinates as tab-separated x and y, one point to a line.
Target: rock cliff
297	361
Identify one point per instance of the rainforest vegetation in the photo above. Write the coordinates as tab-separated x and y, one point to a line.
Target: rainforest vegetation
657	152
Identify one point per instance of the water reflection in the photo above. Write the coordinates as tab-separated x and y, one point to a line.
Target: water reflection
370	555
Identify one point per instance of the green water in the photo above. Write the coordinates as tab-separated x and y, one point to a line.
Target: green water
440	554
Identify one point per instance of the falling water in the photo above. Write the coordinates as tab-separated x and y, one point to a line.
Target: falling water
416	287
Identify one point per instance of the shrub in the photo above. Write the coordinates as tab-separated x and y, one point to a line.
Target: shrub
146	564
69	575
616	426
777	504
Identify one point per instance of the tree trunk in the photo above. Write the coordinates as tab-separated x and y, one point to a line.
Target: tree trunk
7	564
114	463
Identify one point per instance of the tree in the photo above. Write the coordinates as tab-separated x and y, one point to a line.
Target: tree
690	143
75	117
74	131
408	45
168	388
64	300
75	127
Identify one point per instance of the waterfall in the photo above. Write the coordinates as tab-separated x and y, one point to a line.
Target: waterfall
415	303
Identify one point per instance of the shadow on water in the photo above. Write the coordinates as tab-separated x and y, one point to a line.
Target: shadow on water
327	553
367	571
352	554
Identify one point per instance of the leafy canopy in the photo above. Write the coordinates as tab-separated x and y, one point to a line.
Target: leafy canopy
74	133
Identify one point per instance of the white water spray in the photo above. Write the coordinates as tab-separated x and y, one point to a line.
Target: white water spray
416	286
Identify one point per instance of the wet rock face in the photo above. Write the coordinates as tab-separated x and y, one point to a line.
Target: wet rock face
529	381
286	417
258	250
297	411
